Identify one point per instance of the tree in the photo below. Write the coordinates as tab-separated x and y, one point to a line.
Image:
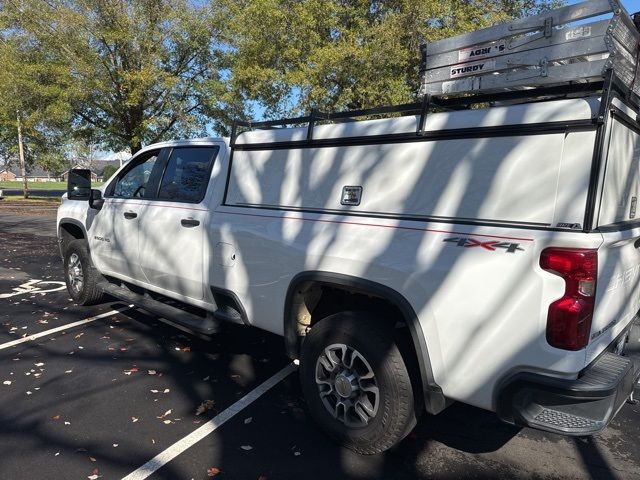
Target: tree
33	101
108	171
291	55
82	154
140	69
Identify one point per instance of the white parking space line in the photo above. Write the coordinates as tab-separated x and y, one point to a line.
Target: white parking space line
194	437
59	329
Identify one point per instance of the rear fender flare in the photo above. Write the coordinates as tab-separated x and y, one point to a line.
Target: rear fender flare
433	396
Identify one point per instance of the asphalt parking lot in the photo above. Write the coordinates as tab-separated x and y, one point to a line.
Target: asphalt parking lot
100	392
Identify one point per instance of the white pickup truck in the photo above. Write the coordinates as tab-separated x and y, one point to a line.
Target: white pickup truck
446	253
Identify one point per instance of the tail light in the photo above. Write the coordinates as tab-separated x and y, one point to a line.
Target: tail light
569	318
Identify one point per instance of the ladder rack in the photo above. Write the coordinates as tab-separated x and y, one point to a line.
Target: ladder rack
568	45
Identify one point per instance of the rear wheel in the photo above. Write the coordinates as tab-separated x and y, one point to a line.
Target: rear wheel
80	275
355	382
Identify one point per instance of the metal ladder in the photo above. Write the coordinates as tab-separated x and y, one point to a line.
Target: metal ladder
562	46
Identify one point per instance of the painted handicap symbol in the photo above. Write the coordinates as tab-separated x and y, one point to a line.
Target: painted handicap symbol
35	286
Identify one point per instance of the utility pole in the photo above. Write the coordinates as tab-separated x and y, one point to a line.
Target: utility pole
23	169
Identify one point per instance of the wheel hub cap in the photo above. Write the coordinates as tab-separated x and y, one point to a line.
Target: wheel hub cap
347	385
75	273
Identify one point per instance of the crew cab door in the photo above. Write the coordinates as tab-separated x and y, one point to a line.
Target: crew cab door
114	233
173	224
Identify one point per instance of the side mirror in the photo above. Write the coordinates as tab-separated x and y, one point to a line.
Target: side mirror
79	184
95	199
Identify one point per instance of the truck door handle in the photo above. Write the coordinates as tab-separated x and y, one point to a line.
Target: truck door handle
189	222
130	215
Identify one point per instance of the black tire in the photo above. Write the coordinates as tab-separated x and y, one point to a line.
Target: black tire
373	339
86	293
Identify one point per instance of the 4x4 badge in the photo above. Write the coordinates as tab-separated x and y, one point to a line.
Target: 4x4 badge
491	245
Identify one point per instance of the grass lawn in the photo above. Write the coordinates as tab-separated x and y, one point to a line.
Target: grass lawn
35	185
41	185
32	199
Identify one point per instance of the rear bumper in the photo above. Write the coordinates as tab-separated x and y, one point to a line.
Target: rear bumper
574	407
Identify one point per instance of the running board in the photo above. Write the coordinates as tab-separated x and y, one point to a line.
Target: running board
205	325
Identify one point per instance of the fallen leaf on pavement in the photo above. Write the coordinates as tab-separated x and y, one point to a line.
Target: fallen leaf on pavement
152	372
213	471
248	420
79	335
7	382
167	422
93	459
204	406
246	447
134	419
168	412
57	417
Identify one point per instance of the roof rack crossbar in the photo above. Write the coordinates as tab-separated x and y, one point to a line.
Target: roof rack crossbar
430	103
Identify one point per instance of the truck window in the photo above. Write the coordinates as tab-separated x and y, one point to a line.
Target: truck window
132	183
622	177
187	174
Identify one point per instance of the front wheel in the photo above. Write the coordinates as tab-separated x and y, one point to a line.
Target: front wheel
355	382
81	276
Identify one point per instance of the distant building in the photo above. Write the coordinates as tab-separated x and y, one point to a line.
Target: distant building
36	174
6	175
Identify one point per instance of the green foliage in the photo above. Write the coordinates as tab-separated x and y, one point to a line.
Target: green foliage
291	55
108	171
35	87
137	71
125	73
